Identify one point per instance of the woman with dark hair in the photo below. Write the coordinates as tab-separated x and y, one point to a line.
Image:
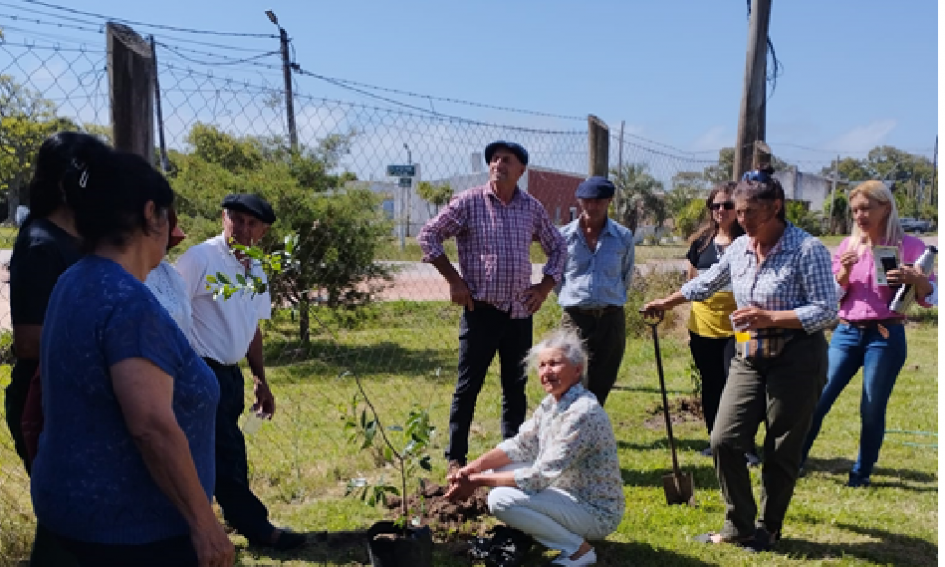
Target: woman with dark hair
711	338
46	245
783	284
125	467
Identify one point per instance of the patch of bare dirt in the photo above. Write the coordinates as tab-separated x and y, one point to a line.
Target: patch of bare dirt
681	410
443	516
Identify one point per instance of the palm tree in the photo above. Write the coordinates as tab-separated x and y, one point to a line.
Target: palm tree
640	195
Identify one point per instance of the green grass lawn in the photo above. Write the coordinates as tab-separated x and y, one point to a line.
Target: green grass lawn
406	356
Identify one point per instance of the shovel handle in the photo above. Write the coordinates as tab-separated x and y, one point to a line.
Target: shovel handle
654	320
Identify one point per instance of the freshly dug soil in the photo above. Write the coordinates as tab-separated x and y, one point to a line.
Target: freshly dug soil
680	410
443	516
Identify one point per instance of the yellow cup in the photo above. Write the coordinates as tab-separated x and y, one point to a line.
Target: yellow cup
741	333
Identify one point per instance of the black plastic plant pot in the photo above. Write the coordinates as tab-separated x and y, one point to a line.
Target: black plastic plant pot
390	546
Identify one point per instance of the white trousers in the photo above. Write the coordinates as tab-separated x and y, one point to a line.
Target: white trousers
552	516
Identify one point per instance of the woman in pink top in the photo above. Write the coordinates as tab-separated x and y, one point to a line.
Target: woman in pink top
870	335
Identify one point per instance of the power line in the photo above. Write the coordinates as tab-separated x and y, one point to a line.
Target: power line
348	83
156	26
229	60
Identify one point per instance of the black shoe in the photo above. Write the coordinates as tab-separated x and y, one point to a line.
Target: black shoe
857	481
763	541
286	541
707	452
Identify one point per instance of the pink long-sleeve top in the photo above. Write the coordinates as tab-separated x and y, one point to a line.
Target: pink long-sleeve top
864	299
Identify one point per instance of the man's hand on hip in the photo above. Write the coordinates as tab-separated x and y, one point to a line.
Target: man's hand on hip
535	295
265	401
460	294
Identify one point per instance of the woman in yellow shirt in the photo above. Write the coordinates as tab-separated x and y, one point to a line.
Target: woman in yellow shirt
711	338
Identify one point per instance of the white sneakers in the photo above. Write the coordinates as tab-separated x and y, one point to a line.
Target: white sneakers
588	558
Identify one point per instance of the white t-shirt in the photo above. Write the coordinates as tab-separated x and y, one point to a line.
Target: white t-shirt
171	291
222	329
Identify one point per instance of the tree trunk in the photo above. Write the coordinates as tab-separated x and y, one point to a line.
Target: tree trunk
304	326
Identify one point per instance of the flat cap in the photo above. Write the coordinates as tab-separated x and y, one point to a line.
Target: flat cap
595	188
250	204
516	149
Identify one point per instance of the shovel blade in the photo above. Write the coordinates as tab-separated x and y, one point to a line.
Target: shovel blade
679	489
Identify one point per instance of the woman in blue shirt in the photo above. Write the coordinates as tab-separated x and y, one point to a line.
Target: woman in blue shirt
125	466
783	285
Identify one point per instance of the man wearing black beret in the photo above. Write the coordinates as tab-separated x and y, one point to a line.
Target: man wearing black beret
223	333
494	226
594	287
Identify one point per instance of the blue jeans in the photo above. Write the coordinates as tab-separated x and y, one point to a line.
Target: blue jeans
881	359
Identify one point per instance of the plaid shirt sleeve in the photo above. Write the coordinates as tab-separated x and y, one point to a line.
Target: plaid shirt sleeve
448	223
628	262
817	280
711	280
554	246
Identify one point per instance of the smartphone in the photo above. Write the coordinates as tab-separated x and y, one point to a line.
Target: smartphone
886	258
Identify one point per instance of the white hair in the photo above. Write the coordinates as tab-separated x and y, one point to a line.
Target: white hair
566	341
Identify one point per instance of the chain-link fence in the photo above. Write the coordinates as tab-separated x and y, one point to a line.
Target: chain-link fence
365	305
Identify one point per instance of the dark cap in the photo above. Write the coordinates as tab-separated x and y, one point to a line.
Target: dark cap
595	188
250	204
516	149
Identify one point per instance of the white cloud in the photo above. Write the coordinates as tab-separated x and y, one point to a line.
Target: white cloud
863	138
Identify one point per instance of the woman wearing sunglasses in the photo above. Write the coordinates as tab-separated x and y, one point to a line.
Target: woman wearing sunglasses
711	338
783	284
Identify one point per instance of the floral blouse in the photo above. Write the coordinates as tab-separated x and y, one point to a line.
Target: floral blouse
570	446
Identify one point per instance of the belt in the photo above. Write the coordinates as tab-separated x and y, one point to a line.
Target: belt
214	365
597	312
879	324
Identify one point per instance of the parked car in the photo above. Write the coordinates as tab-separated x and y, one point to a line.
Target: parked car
910	224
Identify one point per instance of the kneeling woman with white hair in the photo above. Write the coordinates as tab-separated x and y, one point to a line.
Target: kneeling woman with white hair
558	480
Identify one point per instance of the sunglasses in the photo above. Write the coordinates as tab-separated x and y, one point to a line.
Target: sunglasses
727	205
759	176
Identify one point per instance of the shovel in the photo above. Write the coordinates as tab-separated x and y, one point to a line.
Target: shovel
678	486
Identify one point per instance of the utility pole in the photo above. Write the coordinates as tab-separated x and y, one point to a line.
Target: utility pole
833	190
933	191
619	164
287	77
751	114
131	90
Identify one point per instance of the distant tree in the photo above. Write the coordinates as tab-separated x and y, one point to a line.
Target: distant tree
641	195
26	119
435	195
723	170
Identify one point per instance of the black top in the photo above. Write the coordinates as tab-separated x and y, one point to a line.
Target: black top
703	260
42	252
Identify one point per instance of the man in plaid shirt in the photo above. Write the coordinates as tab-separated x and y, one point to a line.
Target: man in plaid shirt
494	226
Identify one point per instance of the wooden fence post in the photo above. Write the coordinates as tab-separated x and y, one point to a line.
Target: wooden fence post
598	145
131	90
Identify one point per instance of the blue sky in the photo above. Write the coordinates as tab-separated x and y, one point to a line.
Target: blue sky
857	73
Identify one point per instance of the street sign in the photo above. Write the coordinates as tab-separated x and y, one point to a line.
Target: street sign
406	182
401	170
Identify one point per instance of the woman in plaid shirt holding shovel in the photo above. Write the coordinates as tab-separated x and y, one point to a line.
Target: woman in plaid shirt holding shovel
783	285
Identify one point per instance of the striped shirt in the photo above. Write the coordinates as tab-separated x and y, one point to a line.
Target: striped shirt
796	275
493	239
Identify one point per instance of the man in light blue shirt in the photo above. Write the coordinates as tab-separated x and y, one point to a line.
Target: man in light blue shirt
593	289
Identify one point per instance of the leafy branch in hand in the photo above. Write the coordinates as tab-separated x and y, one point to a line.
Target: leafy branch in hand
272	263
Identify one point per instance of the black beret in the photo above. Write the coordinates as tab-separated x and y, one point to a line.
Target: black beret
516	149
595	188
250	204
